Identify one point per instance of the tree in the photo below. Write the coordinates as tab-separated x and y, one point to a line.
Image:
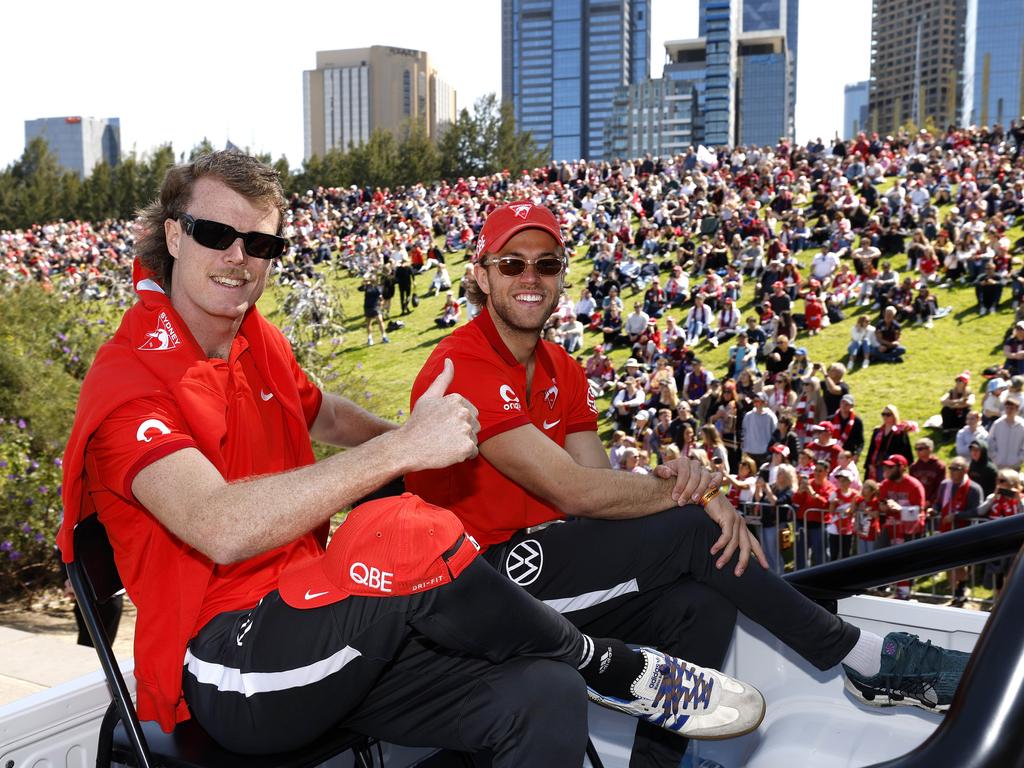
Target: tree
418	158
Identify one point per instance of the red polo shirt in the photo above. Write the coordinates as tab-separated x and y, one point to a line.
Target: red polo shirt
492	506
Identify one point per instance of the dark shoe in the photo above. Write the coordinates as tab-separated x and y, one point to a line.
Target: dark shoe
914	673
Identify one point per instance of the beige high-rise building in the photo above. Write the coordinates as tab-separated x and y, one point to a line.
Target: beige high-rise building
353	92
917	50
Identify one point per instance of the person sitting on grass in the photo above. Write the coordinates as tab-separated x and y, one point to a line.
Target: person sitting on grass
449	312
887	334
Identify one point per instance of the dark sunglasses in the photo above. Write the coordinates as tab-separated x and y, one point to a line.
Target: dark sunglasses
510	266
213	234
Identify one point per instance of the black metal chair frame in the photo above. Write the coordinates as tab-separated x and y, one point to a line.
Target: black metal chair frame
123	738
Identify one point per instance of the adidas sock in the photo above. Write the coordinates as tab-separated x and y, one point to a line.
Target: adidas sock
610	666
865	658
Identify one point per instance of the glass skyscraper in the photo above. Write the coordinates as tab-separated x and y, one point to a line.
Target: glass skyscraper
994	62
562	61
79	143
750	95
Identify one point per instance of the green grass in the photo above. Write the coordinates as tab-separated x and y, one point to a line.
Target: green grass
383	374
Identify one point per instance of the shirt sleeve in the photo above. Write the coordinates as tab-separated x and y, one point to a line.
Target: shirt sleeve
310	396
488	386
581	410
134	436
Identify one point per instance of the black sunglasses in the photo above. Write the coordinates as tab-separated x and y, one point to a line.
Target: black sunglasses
510	266
213	234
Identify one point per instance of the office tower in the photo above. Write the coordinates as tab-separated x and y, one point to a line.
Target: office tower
353	92
662	117
855	109
917	49
79	143
750	95
735	84
562	61
994	62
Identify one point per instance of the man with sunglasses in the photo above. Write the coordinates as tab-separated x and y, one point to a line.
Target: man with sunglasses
619	554
192	445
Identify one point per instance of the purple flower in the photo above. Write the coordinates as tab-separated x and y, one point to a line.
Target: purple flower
29	502
40	538
59	488
7	546
26	528
14	554
66	350
47	362
43	490
21	424
401	413
74	358
367	395
62	337
3	463
58	462
359	366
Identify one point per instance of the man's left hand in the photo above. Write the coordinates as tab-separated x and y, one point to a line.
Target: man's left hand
735	535
693	480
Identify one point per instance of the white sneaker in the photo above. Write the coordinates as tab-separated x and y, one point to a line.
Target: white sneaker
867	361
693	701
369	341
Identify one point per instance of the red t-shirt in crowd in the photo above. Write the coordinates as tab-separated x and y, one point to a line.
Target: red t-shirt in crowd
816	499
845	518
491	506
145	430
909	494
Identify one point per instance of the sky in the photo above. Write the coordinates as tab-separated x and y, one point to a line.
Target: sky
224	69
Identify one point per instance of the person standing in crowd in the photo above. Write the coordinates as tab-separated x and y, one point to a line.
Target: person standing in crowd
1006	436
903	502
372	310
758	425
774	499
811	506
404	281
971	431
956	501
887	439
927	468
849	427
842	507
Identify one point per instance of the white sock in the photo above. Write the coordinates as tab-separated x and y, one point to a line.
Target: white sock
865	658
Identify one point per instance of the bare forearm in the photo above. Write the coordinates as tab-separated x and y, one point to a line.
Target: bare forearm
245	518
614	495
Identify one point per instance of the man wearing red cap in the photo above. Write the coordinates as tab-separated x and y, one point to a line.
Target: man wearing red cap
192	445
619	554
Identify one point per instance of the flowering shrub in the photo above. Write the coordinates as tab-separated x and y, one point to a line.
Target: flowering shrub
31	510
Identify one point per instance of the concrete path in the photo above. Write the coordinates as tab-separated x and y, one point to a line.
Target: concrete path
31	661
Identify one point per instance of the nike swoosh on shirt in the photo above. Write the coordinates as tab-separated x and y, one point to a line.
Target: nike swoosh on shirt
266	395
314	595
549	425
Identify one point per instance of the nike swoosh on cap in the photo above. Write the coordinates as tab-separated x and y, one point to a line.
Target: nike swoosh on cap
314	595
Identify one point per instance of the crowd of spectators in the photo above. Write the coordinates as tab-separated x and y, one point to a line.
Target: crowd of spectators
663	249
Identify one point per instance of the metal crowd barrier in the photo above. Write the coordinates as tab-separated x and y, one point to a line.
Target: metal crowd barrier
805	541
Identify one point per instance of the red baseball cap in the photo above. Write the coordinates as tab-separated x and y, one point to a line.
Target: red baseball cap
397	545
827	426
780	448
504	222
895	460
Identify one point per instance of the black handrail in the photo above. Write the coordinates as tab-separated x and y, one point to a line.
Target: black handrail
984	727
852	575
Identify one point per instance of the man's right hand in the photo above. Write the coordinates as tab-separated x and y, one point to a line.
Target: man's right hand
442	428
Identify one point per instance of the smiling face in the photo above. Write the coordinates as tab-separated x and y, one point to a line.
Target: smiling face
212	289
522	303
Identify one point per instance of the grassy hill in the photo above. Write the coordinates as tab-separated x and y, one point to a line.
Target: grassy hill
383	374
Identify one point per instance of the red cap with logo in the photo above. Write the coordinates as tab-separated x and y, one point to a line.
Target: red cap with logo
398	545
508	220
896	460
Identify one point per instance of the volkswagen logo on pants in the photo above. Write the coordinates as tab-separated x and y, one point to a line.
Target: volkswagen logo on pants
524	562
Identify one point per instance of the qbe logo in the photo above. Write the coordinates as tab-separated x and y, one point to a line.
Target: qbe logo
372	577
510	397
